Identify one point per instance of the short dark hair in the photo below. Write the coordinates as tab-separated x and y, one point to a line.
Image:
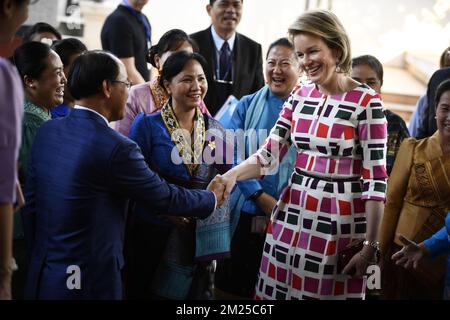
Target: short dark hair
372	62
29	59
88	72
17	2
38	28
66	48
283	42
211	2
170	41
443	87
176	62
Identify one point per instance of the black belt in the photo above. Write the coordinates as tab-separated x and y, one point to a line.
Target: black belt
303	173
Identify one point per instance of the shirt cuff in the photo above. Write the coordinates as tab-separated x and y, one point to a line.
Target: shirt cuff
215	201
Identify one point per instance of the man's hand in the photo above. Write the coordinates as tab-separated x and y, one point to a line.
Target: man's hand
217	185
410	255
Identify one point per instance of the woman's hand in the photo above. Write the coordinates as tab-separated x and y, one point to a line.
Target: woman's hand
357	266
410	255
229	180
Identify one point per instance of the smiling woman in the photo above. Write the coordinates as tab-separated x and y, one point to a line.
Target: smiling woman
41	71
336	192
170	257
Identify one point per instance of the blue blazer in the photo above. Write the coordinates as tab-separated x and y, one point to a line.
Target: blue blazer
81	175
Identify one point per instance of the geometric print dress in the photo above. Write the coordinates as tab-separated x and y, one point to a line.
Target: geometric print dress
341	144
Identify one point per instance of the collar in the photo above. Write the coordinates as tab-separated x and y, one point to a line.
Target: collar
88	109
218	41
34	109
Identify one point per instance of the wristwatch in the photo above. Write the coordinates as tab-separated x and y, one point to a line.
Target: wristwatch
256	195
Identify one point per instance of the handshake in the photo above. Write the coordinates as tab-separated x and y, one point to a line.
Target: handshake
222	185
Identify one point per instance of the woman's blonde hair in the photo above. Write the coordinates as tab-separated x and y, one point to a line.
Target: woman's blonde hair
326	25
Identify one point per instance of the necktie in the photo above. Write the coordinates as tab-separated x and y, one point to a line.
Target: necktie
225	63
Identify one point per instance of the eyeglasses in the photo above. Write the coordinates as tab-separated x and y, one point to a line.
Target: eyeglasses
127	83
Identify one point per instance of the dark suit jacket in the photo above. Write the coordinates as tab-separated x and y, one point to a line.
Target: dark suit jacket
81	175
247	67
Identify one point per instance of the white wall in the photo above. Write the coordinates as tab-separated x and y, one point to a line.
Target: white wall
384	28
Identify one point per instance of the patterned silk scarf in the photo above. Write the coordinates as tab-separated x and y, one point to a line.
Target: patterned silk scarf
191	154
159	95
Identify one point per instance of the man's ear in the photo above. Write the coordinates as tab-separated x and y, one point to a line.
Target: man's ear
208	9
107	88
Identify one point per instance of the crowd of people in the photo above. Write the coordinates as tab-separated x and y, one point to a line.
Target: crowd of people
308	182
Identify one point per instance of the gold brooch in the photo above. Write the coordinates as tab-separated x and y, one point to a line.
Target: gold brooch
212	145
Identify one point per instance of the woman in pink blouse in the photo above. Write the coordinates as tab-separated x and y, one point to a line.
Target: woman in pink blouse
150	96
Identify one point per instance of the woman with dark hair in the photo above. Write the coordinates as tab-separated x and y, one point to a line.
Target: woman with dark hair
439	243
418	199
43	79
151	96
171	258
41	71
68	50
12	14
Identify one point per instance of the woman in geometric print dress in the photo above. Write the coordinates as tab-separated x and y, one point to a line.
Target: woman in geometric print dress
337	190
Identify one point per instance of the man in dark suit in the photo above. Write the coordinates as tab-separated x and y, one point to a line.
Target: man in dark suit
81	175
234	61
